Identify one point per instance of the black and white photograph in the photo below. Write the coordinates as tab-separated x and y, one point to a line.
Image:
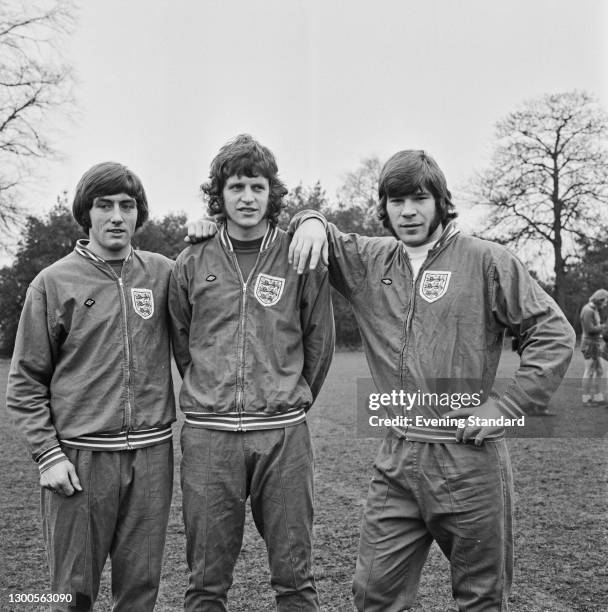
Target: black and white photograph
304	306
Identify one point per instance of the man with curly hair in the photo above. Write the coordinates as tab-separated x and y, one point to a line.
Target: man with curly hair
253	341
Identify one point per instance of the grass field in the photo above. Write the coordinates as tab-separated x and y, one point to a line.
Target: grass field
561	494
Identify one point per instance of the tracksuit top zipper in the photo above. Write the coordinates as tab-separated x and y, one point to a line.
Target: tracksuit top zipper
410	311
123	304
240	373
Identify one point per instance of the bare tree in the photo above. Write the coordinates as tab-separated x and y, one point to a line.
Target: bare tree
360	191
34	84
547	184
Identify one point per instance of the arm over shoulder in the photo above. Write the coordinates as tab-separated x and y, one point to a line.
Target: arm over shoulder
350	255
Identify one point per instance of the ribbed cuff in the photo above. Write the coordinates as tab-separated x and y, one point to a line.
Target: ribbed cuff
50	457
314	215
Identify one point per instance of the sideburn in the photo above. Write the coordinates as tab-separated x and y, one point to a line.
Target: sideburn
436	221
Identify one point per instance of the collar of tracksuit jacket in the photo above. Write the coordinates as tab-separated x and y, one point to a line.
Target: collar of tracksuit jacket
272	232
82	248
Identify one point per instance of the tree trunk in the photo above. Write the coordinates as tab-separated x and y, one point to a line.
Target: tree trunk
560	278
559	265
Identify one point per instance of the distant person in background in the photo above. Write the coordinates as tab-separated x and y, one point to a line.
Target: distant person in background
596	356
604	355
90	387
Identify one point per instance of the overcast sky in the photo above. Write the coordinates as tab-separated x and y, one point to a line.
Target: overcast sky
163	84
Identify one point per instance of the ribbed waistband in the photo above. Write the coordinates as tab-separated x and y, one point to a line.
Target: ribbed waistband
244	421
124	440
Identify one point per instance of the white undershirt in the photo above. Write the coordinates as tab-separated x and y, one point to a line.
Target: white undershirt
417	255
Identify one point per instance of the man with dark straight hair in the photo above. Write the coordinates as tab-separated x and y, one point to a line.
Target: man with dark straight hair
432	306
90	387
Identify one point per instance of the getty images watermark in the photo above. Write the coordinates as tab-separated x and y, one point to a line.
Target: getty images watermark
426	402
435	408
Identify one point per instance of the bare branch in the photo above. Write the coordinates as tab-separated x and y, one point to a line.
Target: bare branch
35	85
548	179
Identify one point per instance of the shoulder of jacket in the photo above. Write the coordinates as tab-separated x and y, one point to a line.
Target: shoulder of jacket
483	247
194	251
281	238
70	263
376	245
150	257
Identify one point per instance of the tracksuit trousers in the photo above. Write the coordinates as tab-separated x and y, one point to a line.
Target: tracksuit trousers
122	511
456	494
220	470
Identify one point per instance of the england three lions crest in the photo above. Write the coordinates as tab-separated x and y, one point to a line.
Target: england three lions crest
268	289
434	284
143	302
